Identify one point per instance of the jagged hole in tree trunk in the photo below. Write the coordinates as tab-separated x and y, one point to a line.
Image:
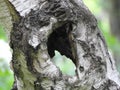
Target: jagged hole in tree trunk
59	42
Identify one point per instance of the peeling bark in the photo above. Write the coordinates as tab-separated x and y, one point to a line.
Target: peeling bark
69	27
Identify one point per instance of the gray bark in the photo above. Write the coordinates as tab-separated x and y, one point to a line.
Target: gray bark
69	27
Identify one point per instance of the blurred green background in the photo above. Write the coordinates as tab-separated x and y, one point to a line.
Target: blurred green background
106	14
6	75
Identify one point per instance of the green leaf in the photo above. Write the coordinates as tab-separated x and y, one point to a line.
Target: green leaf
2	34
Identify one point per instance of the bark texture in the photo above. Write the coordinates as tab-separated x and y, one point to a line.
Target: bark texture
69	27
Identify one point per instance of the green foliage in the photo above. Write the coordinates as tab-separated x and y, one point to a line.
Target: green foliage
93	5
112	42
2	34
6	76
66	65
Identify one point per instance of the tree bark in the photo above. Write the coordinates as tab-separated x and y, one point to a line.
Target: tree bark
69	27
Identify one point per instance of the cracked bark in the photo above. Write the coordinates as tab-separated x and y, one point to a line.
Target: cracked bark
69	27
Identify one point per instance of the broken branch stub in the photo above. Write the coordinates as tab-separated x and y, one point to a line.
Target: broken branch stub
69	27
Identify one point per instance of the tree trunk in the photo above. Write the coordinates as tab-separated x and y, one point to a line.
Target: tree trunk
69	27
